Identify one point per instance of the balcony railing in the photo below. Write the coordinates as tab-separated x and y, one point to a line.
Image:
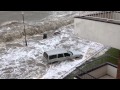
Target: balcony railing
104	16
89	75
84	75
82	72
95	62
80	75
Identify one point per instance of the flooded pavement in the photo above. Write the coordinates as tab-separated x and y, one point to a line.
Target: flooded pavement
20	62
16	15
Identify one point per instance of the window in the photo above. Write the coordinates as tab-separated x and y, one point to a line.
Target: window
53	57
66	54
70	52
60	55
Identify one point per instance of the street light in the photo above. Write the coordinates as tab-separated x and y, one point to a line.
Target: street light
24	28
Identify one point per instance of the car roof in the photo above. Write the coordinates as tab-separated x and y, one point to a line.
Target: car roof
56	51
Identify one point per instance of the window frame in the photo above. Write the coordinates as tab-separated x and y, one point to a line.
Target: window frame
65	55
61	54
53	56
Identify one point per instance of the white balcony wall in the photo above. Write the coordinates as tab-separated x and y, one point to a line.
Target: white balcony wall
101	32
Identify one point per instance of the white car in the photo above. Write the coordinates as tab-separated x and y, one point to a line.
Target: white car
60	55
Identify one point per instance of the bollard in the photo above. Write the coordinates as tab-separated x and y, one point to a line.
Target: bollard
44	36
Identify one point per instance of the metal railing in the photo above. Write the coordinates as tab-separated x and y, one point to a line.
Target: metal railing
95	62
81	75
86	13
82	72
84	75
108	15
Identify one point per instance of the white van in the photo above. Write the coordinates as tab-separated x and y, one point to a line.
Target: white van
60	55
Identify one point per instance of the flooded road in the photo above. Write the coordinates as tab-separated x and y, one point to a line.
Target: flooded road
16	15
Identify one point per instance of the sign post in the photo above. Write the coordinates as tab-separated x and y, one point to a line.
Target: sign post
24	28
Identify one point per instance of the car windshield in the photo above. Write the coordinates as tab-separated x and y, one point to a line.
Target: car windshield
70	52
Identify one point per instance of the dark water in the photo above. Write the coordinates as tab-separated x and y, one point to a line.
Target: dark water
16	15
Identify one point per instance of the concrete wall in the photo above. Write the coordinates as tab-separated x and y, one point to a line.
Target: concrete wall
99	72
105	70
101	32
112	71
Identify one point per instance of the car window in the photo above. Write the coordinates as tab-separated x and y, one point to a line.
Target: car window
53	57
60	55
66	54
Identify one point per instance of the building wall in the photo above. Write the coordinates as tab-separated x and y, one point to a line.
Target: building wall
101	32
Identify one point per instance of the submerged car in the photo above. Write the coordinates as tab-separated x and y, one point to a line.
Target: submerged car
60	55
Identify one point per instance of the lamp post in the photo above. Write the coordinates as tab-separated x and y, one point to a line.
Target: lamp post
24	28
